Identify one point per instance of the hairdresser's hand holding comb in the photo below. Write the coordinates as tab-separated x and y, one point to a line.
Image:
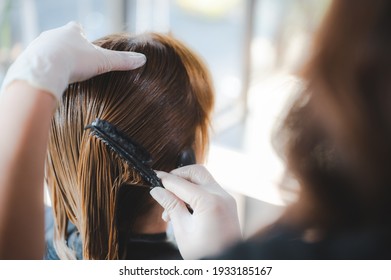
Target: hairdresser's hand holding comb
62	56
214	224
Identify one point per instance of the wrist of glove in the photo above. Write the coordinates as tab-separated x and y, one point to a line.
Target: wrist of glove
62	56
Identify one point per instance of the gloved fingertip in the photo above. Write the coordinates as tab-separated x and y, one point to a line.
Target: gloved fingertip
158	194
160	174
136	54
165	216
137	59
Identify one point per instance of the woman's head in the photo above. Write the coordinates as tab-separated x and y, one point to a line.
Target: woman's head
340	128
165	106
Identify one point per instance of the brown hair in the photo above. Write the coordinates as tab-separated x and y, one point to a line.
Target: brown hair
338	132
165	106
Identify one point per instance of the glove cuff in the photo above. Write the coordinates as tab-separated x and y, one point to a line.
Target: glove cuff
37	72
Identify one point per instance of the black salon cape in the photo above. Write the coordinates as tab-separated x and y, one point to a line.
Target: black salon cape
140	247
282	242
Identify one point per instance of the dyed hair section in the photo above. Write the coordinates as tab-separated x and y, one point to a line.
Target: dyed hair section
165	106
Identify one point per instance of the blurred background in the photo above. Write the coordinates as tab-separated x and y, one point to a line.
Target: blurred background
253	49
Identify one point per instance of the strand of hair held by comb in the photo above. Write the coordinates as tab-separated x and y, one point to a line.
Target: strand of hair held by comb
131	152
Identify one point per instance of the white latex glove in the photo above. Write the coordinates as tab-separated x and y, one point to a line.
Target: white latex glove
62	56
214	224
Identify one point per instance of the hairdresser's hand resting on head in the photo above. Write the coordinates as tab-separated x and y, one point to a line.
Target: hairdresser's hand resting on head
62	56
214	224
55	59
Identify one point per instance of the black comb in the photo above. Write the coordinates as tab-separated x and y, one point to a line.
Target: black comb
131	152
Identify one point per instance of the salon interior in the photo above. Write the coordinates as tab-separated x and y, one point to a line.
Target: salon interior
253	48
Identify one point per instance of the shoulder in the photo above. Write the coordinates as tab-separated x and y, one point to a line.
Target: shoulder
285	243
276	243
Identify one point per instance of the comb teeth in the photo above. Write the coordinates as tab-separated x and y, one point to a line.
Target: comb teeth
131	152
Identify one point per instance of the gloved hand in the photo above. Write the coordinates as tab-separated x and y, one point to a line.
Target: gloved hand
214	224
62	56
